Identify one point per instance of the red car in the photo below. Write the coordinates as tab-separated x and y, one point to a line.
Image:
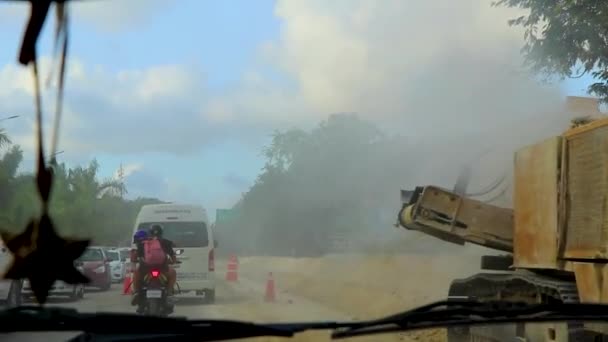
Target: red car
96	265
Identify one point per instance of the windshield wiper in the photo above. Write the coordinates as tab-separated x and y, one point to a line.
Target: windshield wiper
466	312
131	327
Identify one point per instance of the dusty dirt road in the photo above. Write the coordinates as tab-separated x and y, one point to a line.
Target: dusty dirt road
335	287
366	286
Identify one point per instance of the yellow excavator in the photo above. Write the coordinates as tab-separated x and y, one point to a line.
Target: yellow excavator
554	238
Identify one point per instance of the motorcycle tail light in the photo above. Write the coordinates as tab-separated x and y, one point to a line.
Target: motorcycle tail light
155	273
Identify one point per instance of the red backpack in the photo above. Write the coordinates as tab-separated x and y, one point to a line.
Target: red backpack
153	252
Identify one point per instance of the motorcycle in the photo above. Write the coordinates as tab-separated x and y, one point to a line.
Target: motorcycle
154	294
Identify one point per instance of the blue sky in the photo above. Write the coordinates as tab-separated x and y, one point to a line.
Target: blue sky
223	47
234	71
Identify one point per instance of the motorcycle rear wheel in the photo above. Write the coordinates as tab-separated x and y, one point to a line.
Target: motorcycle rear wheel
154	307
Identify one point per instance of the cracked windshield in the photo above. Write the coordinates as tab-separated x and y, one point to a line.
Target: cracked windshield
281	161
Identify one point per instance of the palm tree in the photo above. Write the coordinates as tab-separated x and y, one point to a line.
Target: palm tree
114	187
4	139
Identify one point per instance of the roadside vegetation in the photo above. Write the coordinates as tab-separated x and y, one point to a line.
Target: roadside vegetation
82	204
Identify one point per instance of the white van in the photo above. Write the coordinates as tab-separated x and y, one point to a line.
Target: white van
188	227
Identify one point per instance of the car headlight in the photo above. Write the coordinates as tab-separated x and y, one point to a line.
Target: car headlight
100	269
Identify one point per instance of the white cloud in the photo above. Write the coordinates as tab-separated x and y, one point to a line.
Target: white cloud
425	63
152	109
147	182
127	170
434	68
119	15
143	182
163	108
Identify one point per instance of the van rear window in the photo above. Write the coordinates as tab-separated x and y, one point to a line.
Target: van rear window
182	233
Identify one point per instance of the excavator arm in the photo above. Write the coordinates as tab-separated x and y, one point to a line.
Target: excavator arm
450	217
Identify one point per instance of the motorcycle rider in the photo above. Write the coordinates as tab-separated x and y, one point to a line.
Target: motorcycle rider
138	239
156	232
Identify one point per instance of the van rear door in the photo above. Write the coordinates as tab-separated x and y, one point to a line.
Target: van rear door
192	238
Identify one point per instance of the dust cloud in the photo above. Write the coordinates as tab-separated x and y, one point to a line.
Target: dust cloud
433	69
446	77
443	80
445	83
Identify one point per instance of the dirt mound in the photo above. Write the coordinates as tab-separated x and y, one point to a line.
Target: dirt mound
370	286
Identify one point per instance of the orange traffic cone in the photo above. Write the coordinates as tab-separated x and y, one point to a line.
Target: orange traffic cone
128	281
270	291
233	265
126	284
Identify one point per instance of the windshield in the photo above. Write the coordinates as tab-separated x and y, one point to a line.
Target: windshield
113	256
182	234
124	255
310	160
92	255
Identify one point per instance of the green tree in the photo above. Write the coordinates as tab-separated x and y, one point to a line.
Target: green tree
4	139
566	38
81	204
11	189
315	184
284	145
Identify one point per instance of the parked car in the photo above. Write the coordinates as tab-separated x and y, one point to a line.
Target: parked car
125	257
117	265
125	254
10	290
96	265
60	288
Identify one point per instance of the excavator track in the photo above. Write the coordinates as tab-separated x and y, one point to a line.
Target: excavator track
491	285
519	285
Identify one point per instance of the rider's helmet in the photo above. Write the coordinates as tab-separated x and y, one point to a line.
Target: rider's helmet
156	230
140	235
